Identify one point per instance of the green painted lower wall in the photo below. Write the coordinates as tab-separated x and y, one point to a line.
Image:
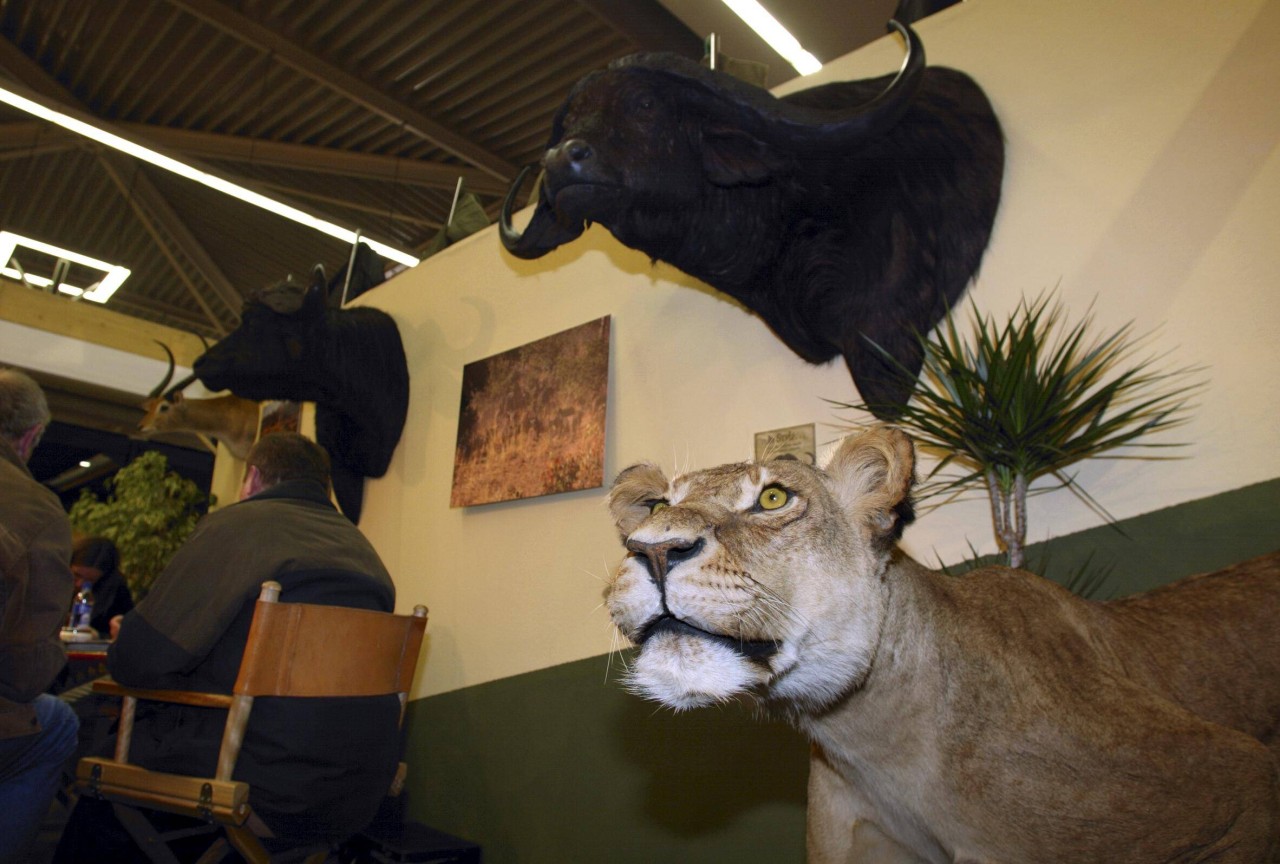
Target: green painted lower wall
1149	550
563	766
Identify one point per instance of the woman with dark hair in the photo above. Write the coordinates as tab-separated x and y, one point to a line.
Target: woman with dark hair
95	562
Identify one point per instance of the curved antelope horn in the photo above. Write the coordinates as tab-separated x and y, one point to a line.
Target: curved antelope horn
190	379
168	376
180	386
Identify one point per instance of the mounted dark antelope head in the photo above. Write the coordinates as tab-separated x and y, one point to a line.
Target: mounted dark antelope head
291	344
229	419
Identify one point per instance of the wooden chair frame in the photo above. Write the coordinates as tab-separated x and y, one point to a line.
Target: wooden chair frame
290	651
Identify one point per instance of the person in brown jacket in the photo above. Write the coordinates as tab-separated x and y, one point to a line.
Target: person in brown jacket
37	731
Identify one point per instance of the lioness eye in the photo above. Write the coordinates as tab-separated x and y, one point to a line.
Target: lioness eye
773	497
657	504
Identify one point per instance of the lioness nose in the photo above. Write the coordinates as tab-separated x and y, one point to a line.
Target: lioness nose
661	556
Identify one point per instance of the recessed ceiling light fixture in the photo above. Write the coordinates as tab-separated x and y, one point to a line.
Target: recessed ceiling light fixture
778	37
99	292
80	127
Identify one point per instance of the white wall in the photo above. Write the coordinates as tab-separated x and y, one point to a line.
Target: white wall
1143	176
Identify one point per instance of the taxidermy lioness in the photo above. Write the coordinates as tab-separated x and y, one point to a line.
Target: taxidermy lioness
992	717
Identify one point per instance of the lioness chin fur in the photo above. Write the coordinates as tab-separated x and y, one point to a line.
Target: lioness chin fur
993	717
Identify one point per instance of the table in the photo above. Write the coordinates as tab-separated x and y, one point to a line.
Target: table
86	662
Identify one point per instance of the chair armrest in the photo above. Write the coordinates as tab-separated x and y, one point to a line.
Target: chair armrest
180	697
226	801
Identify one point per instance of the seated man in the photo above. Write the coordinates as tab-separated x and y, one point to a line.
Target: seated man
318	768
37	731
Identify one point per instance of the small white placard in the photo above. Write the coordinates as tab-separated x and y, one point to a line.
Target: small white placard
797	441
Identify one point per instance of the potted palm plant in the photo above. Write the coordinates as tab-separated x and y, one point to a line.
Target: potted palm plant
1020	402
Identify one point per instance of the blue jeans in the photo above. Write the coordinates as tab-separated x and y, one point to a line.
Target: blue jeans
30	771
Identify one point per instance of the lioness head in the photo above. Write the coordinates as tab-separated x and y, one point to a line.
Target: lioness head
761	577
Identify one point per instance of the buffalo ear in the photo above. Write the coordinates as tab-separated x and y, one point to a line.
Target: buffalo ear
633	493
734	157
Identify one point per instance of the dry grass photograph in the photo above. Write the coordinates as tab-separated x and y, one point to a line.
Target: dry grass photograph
532	419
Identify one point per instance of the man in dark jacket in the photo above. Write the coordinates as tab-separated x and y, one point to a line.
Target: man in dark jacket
37	731
317	768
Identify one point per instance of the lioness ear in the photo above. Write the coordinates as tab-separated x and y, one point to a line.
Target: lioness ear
633	494
872	474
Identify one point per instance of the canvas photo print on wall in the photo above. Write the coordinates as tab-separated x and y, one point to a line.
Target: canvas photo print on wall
532	419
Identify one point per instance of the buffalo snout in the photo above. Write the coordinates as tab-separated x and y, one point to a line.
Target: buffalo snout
573	158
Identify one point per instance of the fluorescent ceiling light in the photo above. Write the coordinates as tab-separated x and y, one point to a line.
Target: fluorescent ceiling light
80	127
768	29
99	292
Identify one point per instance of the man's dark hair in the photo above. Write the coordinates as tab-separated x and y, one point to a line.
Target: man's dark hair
96	552
283	456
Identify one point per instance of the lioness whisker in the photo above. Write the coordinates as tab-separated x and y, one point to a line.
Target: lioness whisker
605	579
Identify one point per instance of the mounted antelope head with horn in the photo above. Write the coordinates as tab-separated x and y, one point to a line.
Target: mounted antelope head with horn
229	419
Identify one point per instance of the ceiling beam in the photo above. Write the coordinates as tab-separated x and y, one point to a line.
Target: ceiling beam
346	203
34	84
264	38
648	24
93	323
25	136
7	155
176	241
27	72
368	166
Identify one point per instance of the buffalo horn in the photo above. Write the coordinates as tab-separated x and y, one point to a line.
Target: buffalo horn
506	231
800	124
168	376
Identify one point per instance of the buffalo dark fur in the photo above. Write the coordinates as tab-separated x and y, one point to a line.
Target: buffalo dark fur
850	217
291	345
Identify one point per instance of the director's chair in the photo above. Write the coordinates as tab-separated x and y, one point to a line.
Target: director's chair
293	649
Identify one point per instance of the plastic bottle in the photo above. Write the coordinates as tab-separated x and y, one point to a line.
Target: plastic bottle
82	609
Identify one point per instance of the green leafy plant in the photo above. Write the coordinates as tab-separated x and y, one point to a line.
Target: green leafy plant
149	512
1027	399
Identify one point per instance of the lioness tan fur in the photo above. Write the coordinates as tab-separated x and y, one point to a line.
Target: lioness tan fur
990	717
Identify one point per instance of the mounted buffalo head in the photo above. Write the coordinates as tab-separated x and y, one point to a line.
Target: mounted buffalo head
849	216
292	345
